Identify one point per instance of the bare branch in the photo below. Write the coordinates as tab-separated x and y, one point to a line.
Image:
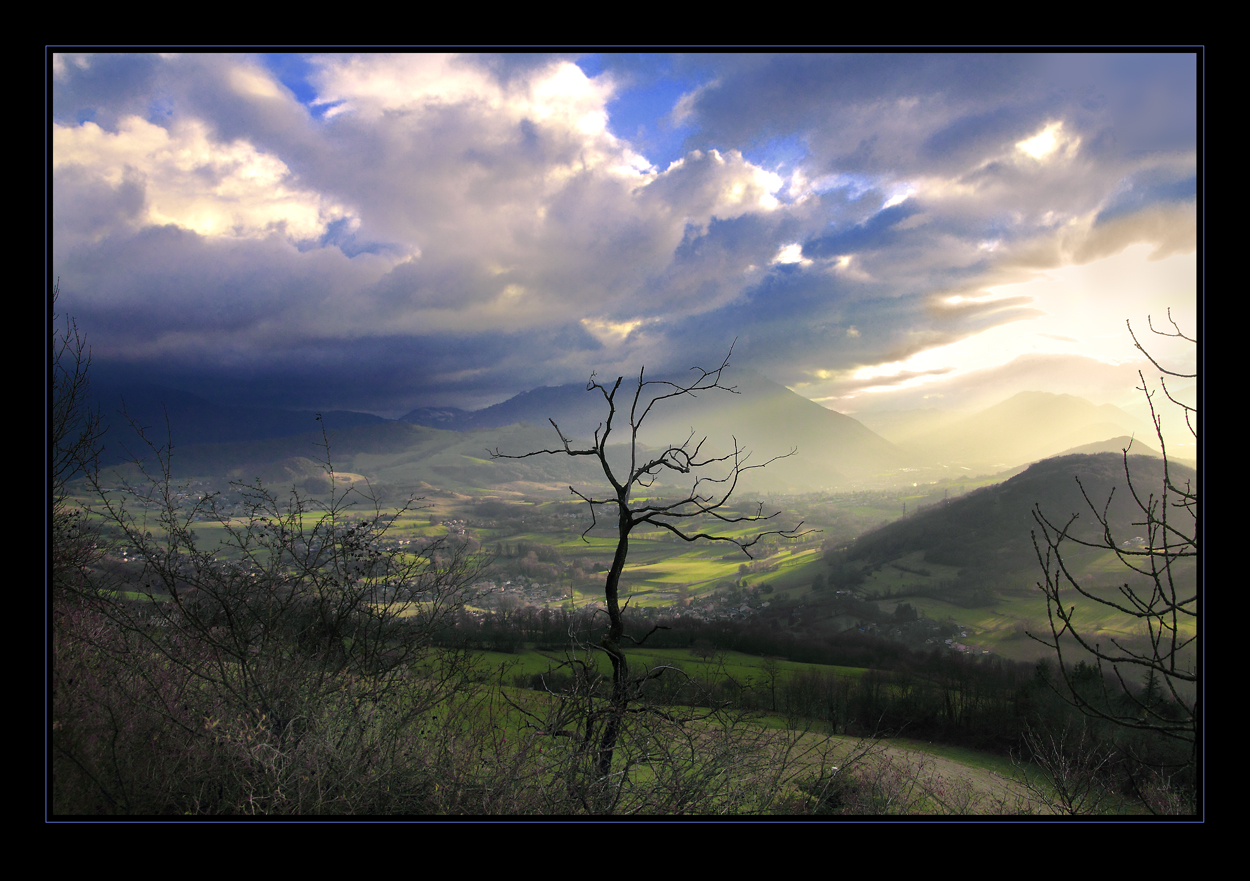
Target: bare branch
1150	357
1163	603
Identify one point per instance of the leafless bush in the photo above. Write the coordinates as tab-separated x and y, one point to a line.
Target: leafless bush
1167	607
1068	771
280	672
1159	596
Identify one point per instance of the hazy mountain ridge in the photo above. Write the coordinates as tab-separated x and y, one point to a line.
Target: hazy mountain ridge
768	421
991	527
1026	427
1117	445
765	418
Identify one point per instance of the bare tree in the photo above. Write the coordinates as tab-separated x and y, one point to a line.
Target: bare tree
699	514
1161	595
77	431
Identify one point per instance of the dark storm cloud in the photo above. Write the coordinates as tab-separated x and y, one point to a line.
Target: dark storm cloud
797	323
969	138
87	207
876	232
936	107
779	94
385	374
102	87
166	293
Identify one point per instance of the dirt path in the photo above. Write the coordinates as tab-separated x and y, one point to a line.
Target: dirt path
896	780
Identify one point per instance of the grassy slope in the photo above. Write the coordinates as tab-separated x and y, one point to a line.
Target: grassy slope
947	780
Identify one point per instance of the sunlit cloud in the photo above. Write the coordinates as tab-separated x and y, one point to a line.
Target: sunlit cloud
190	181
492	223
900	195
791	253
1042	144
609	332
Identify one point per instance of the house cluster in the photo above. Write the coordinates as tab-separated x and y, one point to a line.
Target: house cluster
966	649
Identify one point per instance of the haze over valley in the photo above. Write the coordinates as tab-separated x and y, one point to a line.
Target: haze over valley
831	452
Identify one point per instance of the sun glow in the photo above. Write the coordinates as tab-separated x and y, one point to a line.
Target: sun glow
1044	143
608	332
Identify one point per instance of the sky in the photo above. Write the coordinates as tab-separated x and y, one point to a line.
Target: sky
380	232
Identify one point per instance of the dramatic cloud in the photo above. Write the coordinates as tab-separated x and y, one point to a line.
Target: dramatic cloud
379	232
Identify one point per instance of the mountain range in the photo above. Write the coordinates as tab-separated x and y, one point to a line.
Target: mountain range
811	448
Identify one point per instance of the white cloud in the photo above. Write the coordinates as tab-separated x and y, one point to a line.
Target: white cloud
194	182
791	253
609	332
371	85
1048	143
685	106
254	84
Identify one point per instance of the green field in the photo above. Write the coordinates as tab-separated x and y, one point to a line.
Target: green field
662	573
